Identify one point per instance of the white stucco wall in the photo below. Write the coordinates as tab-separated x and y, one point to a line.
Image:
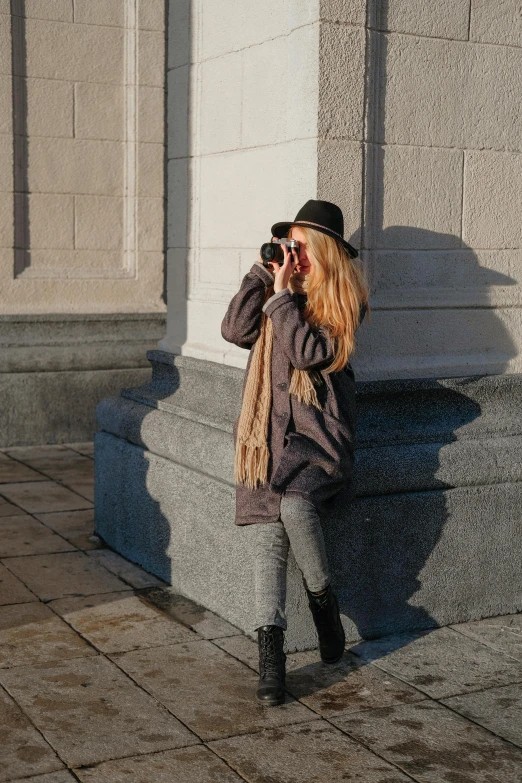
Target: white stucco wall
245	157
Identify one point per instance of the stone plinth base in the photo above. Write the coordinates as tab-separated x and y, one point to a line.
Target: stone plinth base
431	535
54	369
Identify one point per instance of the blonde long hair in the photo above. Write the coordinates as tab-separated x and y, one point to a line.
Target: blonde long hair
336	290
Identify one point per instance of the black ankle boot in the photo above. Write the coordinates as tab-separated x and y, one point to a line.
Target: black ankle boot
325	613
271	689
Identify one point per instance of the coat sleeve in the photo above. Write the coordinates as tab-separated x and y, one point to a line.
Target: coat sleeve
242	321
307	348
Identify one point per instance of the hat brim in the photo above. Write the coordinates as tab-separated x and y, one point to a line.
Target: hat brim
280	230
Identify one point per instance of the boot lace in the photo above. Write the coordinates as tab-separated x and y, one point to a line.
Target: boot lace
269	653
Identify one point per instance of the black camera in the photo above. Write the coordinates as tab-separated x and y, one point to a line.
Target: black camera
272	251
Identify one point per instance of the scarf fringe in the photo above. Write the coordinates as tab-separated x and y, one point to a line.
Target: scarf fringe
251	464
302	386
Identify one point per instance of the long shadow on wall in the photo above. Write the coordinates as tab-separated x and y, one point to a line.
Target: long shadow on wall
133	521
21	221
418	438
178	132
424	469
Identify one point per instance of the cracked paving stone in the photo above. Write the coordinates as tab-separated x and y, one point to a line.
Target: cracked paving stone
32	633
196	764
11	471
119	622
89	711
433	744
23	751
67	573
211	692
497	709
502	633
24	535
43	496
313	752
337	689
130	572
440	662
203	621
75	526
12	590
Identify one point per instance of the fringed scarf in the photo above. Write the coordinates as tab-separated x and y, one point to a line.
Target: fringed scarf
252	452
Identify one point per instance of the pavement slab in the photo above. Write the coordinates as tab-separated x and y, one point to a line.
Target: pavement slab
43	496
211	692
244	649
503	633
85	488
23	750
119	622
116	676
313	752
497	709
9	509
440	662
51	777
195	764
63	465
77	527
86	448
24	535
12	470
433	744
89	711
63	574
43	457
203	621
12	590
345	687
32	633
337	689
129	572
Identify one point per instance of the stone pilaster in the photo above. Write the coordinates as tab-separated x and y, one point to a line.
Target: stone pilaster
389	110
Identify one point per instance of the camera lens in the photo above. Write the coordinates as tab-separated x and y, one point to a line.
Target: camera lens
267	251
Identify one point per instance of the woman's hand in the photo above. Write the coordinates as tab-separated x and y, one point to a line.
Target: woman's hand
284	271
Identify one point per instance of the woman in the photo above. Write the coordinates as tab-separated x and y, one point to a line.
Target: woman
294	438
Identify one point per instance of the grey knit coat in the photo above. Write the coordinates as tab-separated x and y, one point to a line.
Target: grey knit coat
311	451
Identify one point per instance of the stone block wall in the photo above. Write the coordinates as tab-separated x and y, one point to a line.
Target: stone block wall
82	156
443	176
82	203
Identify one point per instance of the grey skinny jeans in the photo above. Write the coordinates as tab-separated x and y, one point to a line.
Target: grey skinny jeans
298	526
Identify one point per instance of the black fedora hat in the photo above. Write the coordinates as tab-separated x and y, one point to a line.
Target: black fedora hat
322	216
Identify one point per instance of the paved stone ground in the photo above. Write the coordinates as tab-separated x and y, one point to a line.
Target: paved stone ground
107	676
